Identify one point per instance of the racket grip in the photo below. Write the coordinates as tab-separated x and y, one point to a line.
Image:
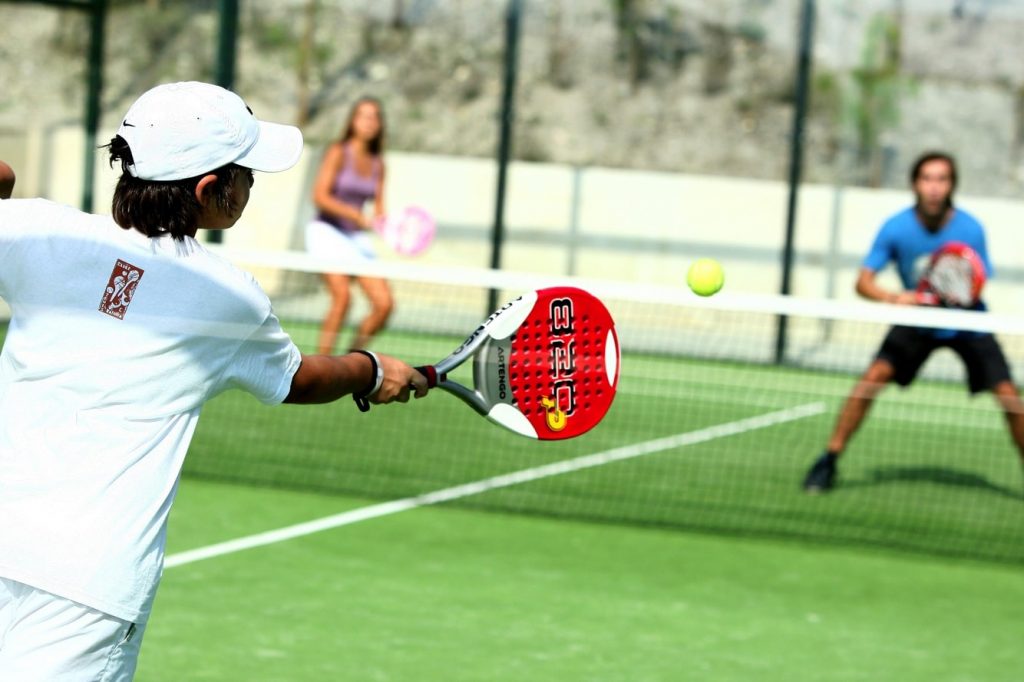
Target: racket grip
430	373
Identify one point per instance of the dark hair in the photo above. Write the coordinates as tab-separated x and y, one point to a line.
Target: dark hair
155	207
928	157
376	145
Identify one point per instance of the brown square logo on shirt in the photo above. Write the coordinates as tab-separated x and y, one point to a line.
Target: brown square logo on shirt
117	296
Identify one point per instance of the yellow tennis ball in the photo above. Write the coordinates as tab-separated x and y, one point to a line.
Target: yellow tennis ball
705	276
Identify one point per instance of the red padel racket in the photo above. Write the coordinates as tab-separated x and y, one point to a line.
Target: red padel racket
954	277
545	365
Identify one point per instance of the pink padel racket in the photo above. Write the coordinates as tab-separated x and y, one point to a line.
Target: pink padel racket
545	365
954	278
409	231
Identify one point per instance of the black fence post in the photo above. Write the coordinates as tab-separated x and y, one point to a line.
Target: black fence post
507	114
226	58
805	50
93	94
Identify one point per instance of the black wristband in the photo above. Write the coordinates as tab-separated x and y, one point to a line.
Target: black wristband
377	374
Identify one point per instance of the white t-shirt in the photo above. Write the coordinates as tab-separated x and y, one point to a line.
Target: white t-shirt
116	341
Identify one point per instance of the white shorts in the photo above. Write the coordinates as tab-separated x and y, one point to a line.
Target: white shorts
44	637
325	241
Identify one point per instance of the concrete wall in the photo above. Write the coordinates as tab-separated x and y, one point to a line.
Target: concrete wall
596	222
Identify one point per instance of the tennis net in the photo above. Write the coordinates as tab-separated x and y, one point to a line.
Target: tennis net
709	430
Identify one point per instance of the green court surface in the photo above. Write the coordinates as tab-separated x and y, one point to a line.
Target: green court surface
670	543
597	573
688	443
440	593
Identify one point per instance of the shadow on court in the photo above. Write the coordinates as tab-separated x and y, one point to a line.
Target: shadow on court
932	474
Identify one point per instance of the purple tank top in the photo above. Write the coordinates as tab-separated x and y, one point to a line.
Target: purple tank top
353	189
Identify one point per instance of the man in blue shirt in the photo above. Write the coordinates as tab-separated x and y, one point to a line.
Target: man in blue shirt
908	239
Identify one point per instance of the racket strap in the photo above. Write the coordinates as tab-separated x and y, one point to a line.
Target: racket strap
362	398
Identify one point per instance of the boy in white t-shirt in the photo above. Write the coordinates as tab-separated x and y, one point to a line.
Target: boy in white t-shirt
121	329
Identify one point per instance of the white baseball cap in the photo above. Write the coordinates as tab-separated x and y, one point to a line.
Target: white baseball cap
182	130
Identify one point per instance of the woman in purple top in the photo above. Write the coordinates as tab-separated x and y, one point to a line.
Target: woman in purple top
350	176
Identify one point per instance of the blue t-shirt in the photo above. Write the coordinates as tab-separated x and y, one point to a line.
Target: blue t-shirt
906	242
903	240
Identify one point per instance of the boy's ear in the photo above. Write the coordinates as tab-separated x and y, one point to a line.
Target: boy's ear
202	186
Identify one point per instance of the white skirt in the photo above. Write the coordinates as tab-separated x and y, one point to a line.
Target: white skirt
323	240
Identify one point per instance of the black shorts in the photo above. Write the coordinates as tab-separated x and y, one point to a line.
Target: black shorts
906	349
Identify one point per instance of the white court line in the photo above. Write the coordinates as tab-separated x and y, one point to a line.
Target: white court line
447	494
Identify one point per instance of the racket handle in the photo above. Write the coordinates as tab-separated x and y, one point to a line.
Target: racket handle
430	373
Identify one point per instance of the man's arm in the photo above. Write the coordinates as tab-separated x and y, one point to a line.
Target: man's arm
325	378
869	289
6	181
882	252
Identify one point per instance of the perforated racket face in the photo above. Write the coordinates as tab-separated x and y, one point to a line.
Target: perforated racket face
955	276
409	231
554	374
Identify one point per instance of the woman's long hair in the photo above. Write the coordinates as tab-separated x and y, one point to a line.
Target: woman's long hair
376	145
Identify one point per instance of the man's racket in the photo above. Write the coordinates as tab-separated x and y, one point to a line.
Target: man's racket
544	365
409	231
954	277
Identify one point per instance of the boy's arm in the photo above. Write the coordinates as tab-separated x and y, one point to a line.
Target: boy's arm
6	181
325	378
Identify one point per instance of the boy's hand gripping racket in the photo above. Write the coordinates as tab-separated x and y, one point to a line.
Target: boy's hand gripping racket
544	365
409	231
954	277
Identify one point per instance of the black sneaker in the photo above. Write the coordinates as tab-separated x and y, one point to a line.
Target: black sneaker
822	476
